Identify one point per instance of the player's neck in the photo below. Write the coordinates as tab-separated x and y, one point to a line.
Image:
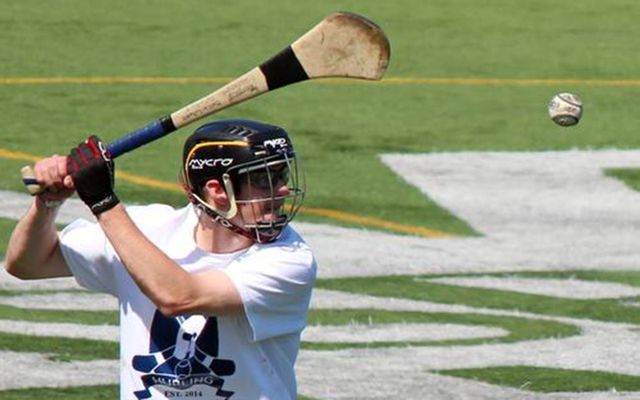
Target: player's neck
212	237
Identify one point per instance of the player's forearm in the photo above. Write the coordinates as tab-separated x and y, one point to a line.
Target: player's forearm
172	289
167	285
34	243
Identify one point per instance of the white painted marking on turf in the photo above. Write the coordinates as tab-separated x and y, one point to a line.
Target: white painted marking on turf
601	347
63	301
13	205
390	374
27	370
538	211
66	330
564	288
330	299
509	194
356	333
401	373
10	282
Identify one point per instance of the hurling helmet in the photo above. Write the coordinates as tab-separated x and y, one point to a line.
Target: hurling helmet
252	161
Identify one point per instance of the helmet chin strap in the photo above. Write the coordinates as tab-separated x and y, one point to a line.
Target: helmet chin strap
226	223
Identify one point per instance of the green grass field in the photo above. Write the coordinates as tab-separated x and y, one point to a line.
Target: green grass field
339	128
464	75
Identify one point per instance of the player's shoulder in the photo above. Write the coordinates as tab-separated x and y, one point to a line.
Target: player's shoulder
157	216
290	248
289	240
147	210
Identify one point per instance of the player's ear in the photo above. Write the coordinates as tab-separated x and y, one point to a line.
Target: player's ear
214	192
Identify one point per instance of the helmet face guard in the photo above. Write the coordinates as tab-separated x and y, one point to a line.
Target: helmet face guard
270	194
259	170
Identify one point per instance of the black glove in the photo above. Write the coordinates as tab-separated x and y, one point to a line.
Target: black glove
91	167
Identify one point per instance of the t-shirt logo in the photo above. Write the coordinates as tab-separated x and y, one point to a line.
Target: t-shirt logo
183	359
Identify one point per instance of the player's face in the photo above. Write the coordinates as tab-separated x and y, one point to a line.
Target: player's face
263	194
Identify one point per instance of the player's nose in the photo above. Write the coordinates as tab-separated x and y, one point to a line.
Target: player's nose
282	190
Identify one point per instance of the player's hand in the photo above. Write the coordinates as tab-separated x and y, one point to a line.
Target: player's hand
51	174
92	170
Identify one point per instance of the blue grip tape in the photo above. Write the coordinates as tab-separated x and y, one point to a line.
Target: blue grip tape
138	138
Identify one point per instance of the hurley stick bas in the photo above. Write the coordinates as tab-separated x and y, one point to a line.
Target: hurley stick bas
342	45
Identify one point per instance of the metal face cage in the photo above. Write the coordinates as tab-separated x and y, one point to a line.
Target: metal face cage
269	193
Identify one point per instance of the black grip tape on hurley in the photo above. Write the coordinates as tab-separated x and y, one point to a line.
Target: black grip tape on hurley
167	124
283	69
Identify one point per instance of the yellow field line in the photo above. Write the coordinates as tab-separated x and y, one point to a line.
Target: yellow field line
92	80
512	82
379	223
16	155
96	80
331	214
148	182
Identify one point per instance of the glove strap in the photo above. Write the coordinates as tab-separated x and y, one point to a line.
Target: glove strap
105	204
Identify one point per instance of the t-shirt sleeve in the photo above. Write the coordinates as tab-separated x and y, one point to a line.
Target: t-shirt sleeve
89	256
275	286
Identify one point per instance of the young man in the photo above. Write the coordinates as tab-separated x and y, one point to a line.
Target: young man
213	297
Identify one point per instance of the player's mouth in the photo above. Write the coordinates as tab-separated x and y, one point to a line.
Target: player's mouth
275	215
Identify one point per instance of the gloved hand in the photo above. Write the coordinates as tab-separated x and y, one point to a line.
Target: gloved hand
92	169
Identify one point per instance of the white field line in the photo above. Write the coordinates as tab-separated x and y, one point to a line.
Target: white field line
9	282
354	333
563	288
66	330
29	370
603	348
602	342
350	333
63	301
535	211
13	205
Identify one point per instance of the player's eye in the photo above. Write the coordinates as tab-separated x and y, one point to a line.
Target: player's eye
266	179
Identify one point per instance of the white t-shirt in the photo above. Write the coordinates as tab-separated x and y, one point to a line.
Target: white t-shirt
245	357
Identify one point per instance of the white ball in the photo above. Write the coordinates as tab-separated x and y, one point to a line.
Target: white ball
565	109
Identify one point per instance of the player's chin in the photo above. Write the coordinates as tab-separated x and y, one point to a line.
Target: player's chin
270	229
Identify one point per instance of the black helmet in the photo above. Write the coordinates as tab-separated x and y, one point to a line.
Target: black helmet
243	154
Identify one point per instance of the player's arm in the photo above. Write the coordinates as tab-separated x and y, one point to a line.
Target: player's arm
33	251
173	290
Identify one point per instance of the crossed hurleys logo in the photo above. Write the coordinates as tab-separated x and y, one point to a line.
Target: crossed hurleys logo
183	352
